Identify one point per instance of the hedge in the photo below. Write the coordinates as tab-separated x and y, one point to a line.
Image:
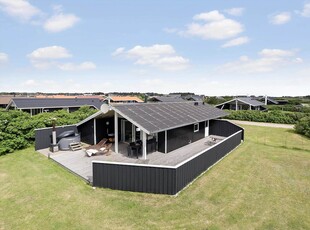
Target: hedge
271	116
290	108
17	127
303	126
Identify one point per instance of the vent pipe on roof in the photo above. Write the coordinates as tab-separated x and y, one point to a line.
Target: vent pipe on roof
265	99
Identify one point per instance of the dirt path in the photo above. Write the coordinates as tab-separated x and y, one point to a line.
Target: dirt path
274	125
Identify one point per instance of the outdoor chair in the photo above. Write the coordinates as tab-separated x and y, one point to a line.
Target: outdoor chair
134	149
105	149
99	145
130	149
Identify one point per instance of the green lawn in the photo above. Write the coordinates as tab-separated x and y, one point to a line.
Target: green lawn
263	184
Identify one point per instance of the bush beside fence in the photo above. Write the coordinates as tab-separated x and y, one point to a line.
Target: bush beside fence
17	127
271	116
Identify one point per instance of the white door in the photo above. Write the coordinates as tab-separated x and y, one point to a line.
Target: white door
206	128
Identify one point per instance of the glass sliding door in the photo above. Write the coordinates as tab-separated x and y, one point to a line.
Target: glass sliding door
126	131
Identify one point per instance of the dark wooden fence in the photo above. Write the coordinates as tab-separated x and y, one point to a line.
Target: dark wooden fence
137	178
43	137
160	179
189	170
224	128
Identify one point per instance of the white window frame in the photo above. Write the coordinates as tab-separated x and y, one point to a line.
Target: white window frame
196	129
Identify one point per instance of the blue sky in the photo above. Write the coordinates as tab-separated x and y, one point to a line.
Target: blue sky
206	47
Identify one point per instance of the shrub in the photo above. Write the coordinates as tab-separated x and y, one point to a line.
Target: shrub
274	116
17	128
216	100
290	108
303	126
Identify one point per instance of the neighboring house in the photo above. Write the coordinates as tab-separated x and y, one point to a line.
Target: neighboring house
282	102
271	101
174	95
123	99
195	98
5	100
58	96
40	105
165	99
242	103
157	147
61	96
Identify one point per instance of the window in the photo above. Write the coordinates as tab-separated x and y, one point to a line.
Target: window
196	127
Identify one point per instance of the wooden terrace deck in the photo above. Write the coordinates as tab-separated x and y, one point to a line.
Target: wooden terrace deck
80	164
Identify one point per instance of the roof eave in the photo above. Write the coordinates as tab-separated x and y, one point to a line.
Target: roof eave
129	119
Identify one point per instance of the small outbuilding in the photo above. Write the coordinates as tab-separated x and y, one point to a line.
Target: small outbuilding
242	103
5	100
165	99
39	105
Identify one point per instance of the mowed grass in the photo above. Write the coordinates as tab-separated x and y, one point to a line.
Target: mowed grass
263	184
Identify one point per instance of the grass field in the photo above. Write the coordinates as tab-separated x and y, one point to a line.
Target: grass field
263	184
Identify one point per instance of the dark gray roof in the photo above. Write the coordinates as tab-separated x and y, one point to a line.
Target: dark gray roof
167	99
250	101
156	117
246	100
194	97
269	99
26	103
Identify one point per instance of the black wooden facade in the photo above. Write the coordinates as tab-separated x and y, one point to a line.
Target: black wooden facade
179	137
87	132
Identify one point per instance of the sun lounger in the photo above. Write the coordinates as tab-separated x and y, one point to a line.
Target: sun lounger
99	145
105	149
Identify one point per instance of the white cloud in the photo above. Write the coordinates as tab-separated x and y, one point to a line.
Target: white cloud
235	11
298	60
60	22
236	42
20	9
210	16
306	10
76	67
57	8
163	57
280	18
3	58
170	30
213	25
118	51
276	53
50	52
31	83
23	10
48	57
269	60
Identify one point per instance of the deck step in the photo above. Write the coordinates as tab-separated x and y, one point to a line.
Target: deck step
75	146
